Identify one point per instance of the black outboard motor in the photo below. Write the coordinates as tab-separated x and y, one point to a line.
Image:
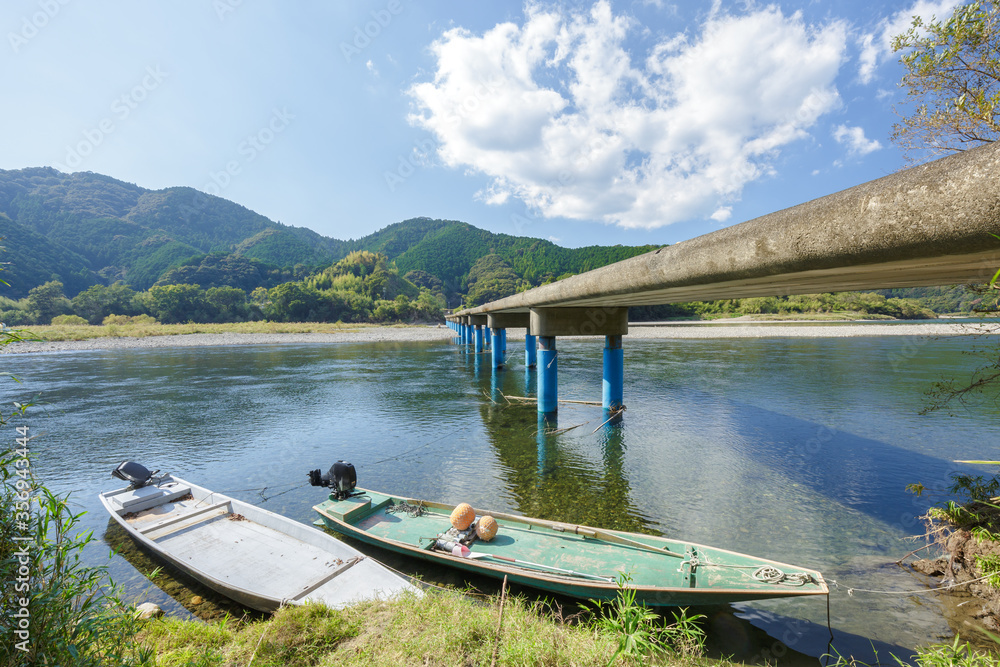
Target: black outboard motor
136	474
341	477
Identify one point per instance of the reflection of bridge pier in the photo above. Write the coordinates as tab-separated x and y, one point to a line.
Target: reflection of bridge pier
551	475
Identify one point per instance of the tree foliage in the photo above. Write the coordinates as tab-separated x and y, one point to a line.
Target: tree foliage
491	278
868	303
952	81
99	301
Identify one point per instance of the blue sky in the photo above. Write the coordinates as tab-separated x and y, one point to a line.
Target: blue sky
581	122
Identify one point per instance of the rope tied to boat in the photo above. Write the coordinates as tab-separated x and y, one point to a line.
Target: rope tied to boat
412	511
769	574
765	574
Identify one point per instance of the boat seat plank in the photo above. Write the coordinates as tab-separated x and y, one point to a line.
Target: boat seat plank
202	514
365	581
336	572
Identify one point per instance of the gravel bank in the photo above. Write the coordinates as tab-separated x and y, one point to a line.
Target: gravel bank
367	335
430	333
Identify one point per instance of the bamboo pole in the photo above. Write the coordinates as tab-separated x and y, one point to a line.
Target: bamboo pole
529	399
496	644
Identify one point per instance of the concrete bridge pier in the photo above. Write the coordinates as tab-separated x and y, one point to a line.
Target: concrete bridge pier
530	349
613	386
548	323
548	375
497	351
476	323
499	323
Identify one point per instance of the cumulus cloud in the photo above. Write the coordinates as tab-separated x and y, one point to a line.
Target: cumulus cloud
855	140
876	46
557	113
722	214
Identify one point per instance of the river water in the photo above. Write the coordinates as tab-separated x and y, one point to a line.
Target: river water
794	449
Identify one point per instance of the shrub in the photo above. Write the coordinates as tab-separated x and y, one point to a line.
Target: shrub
129	319
70	320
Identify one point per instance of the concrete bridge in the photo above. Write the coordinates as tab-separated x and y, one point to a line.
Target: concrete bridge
929	225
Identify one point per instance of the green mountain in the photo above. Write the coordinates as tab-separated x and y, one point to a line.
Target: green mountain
86	229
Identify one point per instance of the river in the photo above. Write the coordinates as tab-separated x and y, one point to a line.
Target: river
797	449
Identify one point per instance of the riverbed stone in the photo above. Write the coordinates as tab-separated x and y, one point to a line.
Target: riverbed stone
149	610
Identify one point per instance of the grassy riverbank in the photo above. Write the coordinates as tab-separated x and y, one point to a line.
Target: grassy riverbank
441	628
57	333
444	628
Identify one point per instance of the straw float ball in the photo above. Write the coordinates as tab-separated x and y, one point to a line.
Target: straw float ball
463	516
487	528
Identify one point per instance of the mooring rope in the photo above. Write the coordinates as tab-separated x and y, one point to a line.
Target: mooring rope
852	591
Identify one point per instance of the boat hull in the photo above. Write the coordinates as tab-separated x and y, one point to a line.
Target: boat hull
257	558
575	561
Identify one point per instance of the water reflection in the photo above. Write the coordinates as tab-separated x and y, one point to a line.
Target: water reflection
548	478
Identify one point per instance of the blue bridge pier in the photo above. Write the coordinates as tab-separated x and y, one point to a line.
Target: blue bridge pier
498	324
549	323
542	326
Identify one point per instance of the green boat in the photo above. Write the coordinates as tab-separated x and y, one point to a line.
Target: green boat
576	561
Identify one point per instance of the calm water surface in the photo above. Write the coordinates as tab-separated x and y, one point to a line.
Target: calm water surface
793	449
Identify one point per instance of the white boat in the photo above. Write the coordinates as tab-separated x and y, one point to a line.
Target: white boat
258	558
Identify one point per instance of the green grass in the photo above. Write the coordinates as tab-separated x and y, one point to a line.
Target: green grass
838	316
957	653
439	628
57	333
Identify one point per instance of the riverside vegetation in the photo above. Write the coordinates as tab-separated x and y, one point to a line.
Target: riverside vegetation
344	293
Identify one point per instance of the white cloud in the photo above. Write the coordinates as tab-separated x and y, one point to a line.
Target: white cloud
722	214
371	67
876	46
855	140
556	113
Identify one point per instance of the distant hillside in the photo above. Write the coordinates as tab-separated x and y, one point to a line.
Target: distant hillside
86	229
97	229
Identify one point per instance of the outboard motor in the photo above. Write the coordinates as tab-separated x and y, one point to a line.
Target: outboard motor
341	477
136	474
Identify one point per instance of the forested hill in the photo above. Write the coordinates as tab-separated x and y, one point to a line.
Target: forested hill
85	229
